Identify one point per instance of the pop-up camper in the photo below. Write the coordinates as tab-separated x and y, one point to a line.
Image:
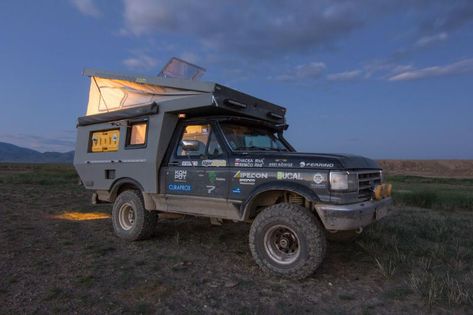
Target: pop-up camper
152	145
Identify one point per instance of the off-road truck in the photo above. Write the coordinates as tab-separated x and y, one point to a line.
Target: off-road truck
154	145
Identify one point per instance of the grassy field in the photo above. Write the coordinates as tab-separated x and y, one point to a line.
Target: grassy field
431	192
58	254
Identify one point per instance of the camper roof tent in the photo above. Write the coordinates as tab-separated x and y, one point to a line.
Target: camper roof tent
114	96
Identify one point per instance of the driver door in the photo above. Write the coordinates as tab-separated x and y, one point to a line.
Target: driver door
196	174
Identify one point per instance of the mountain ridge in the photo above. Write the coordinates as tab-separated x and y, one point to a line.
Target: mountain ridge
12	153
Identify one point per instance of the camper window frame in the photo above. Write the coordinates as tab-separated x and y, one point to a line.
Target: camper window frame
129	127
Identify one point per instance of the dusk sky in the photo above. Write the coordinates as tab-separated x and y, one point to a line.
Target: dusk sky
380	78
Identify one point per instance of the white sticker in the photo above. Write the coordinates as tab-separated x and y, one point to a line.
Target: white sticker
318	178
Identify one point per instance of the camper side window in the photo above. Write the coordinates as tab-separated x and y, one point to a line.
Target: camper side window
137	134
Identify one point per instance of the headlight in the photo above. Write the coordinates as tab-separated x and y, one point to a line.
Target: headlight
343	181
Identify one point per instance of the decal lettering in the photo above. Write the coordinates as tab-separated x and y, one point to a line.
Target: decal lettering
249	162
180	175
189	163
316	164
287	175
280	164
210	188
247	181
236	190
214	163
180	187
251	175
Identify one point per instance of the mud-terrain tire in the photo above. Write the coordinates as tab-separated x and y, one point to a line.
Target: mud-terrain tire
343	236
287	240
131	221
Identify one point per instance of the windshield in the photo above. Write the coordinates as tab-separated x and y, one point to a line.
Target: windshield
245	137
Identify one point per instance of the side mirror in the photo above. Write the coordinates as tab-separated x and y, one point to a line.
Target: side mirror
190	145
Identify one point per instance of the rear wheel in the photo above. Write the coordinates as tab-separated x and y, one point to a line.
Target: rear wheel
287	240
131	221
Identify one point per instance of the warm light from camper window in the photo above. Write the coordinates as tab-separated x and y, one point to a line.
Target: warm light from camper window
138	133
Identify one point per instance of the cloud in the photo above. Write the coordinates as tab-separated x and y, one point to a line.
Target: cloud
459	67
276	28
450	16
140	61
87	7
428	40
61	142
264	28
310	71
344	76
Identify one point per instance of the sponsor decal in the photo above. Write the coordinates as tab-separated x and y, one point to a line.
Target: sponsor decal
249	178
289	175
319	178
212	176
280	163
180	175
189	163
303	164
180	187
258	175
236	190
210	188
214	163
249	162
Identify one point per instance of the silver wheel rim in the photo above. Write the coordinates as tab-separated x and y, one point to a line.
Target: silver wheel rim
126	216
282	244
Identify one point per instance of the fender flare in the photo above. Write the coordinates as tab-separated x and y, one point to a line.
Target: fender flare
298	188
148	200
119	183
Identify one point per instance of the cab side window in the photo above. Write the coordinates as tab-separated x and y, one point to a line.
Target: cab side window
198	141
193	141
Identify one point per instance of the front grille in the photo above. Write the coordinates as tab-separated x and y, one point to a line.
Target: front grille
367	180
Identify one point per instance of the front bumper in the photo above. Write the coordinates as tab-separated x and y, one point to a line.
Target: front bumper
353	216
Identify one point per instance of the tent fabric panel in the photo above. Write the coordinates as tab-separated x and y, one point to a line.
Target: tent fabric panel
106	95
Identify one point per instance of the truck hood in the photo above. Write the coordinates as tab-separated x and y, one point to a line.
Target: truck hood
309	160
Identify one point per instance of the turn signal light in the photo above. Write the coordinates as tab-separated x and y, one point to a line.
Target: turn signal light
382	191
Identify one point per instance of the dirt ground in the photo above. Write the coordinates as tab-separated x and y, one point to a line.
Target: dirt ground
58	254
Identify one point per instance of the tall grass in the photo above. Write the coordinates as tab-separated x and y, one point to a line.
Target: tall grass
432	251
433	193
37	174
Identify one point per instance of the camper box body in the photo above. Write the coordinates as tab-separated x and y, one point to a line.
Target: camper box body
159	103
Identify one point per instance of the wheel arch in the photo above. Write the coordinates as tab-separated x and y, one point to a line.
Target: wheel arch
269	193
123	184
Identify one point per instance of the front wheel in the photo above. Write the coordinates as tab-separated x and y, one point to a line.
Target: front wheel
287	240
131	221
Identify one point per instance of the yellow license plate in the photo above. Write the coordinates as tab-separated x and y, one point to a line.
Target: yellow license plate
105	141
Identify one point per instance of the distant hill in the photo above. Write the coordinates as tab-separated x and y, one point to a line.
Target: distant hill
12	153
